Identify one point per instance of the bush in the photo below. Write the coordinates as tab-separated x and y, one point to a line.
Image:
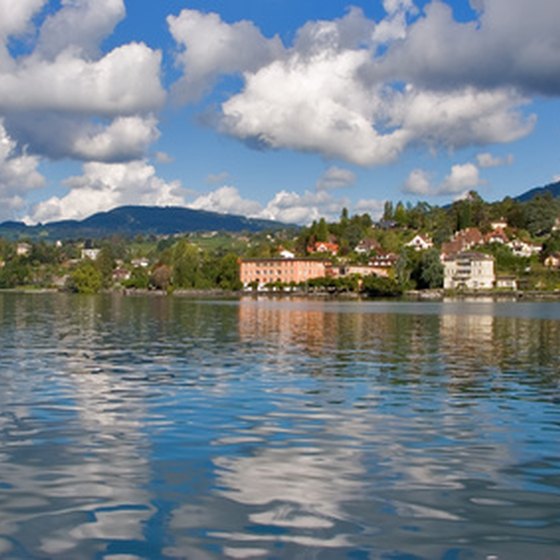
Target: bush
378	286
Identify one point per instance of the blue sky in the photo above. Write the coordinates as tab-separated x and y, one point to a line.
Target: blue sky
281	109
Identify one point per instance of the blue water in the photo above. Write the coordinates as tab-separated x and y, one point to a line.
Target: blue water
155	427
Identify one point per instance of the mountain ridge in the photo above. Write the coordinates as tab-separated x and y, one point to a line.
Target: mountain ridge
133	220
552	188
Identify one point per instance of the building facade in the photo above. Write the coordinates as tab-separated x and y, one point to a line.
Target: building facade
261	272
471	271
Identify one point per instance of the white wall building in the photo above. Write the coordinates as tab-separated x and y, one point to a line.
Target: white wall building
91	254
420	243
471	271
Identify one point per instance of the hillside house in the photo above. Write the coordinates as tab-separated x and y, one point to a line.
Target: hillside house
384	260
121	274
90	254
366	246
23	249
496	236
420	243
141	262
285	254
325	247
553	261
522	249
468	270
462	241
499	224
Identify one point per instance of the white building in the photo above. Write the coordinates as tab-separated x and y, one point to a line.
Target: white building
285	254
23	249
471	271
420	243
91	254
521	249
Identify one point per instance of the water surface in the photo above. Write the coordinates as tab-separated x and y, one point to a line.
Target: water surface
156	427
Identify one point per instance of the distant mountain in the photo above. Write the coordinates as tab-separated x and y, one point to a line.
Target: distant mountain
134	220
552	188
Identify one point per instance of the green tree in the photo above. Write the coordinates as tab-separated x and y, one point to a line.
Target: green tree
15	272
105	263
388	213
400	215
431	270
228	273
187	264
85	279
551	245
322	233
540	214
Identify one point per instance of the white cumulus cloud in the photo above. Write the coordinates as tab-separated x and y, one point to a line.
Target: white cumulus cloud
292	207
486	159
314	104
418	182
336	94
212	47
335	178
462	178
79	24
226	200
514	43
18	175
124	139
103	186
285	206
54	94
124	81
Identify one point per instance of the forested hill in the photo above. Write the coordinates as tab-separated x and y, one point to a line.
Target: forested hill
552	188
134	220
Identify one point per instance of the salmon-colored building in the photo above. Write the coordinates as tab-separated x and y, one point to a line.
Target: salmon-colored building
266	271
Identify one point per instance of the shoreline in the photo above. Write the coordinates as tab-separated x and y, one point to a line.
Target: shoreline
410	295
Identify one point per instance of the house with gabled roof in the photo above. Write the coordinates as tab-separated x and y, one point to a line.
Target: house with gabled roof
366	246
326	247
420	243
463	240
496	236
522	249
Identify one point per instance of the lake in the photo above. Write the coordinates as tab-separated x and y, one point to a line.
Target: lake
167	427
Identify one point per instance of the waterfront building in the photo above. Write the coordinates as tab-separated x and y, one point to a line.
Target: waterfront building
261	272
468	270
506	283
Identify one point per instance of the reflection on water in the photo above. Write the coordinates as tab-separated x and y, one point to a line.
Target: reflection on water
169	428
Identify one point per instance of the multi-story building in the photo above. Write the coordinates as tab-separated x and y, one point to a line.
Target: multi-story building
471	271
261	272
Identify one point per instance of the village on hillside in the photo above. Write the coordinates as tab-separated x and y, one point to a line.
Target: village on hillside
471	246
